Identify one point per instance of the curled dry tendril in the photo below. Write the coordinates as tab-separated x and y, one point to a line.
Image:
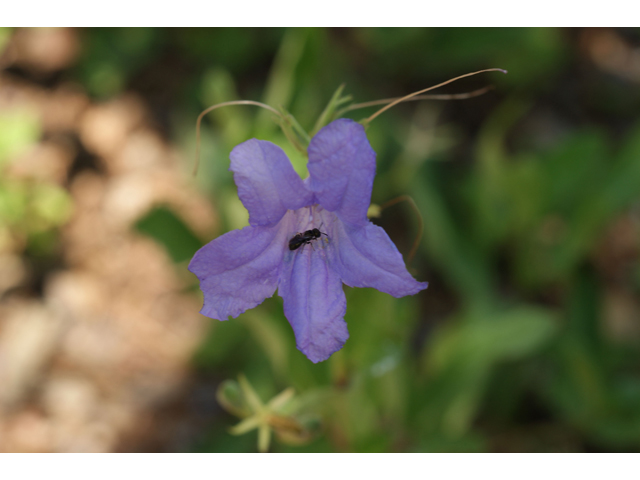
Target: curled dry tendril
287	119
368	120
226	104
416	210
446	96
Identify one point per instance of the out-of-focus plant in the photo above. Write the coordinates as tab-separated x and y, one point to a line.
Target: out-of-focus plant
283	414
543	213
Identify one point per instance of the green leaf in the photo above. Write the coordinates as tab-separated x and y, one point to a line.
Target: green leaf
170	231
494	336
461	357
280	85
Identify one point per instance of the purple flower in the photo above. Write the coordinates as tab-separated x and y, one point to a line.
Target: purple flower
238	270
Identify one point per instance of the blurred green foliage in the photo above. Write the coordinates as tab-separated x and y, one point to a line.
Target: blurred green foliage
31	210
508	348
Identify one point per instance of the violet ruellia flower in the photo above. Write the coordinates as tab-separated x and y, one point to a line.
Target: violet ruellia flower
238	270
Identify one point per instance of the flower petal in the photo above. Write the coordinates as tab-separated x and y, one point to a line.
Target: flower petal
342	166
365	256
238	270
314	303
267	183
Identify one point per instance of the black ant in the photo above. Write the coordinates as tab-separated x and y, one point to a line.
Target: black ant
300	239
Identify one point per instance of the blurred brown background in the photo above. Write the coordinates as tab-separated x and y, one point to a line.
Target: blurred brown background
95	333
